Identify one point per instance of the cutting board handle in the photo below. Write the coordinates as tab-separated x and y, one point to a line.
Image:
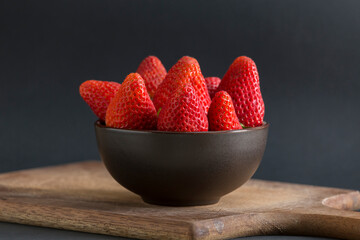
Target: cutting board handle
337	216
348	201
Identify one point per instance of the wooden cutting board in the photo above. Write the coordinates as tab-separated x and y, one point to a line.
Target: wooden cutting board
83	197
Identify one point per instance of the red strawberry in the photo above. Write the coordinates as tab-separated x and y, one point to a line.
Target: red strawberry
132	108
153	73
222	115
98	94
185	71
241	81
183	112
212	84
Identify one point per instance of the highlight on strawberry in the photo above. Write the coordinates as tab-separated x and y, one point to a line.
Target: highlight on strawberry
179	100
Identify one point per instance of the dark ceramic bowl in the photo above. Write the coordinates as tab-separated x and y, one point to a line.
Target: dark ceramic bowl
181	169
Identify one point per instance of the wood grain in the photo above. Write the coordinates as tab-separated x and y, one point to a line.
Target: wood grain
83	197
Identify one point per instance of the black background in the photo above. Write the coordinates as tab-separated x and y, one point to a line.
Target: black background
307	53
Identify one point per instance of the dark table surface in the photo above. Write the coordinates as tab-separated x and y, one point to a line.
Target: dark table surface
11	231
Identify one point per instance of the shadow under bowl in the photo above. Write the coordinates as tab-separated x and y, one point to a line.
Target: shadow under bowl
181	169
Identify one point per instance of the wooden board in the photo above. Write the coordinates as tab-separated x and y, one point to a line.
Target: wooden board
83	197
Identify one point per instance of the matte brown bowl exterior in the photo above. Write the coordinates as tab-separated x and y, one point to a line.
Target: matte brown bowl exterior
181	169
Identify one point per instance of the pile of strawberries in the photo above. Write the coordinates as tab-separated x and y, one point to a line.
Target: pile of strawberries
180	100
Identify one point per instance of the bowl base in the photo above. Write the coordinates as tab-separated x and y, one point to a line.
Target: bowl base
180	203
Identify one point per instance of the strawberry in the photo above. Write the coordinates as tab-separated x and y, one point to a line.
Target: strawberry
183	112
98	94
185	71
222	115
241	81
132	108
153	73
212	84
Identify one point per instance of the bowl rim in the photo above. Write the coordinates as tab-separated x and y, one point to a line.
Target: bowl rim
99	124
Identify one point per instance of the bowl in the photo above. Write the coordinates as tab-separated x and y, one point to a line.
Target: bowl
181	169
